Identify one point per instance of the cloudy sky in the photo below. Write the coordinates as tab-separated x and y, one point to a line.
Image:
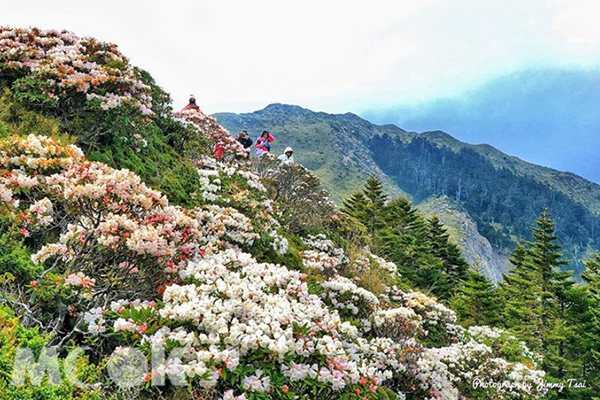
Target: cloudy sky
334	56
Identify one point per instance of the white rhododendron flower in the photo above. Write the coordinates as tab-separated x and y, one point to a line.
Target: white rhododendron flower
155	275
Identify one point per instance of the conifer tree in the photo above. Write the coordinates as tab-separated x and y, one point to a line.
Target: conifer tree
374	191
554	290
354	205
591	275
424	255
403	238
477	301
539	297
367	205
586	338
521	298
454	265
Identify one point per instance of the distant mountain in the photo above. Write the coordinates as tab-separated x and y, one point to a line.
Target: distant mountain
502	194
547	116
331	146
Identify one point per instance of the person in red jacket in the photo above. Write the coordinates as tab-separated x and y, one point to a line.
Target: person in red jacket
218	150
263	143
191	104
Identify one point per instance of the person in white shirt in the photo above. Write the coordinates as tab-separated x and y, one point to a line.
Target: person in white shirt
287	157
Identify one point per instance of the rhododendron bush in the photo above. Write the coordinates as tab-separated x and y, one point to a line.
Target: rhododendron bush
94	219
124	265
303	203
115	111
247	301
219	136
49	67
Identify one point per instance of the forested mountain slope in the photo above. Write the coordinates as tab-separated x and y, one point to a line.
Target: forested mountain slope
179	275
502	194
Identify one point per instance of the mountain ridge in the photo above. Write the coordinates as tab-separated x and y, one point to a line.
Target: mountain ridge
343	149
546	115
501	159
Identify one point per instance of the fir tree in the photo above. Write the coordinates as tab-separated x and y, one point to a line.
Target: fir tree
367	205
521	298
539	298
374	191
403	238
423	253
354	205
455	266
586	338
591	275
477	301
554	288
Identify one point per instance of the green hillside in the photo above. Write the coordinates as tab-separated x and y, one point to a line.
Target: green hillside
136	262
501	193
330	146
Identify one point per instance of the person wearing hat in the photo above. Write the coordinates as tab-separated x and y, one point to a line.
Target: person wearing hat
191	104
287	157
244	139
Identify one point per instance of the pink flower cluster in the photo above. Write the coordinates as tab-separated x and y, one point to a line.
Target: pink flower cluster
80	280
208	127
106	216
222	305
69	64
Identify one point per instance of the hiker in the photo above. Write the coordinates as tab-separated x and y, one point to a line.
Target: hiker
218	150
263	143
191	104
287	157
244	139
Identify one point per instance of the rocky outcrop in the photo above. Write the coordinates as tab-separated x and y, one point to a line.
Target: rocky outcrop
476	249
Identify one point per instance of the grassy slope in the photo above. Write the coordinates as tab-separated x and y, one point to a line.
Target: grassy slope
330	147
336	148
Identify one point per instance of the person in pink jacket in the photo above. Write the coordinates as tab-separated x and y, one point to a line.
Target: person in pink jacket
263	143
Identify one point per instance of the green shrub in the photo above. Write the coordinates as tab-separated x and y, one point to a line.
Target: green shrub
14	335
16	118
16	260
3	130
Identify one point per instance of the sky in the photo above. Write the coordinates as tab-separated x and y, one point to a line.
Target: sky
392	61
327	55
548	116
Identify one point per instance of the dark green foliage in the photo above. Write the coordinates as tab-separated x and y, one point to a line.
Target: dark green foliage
501	202
158	149
556	317
535	291
591	276
420	248
454	265
521	296
477	301
374	191
585	338
354	205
